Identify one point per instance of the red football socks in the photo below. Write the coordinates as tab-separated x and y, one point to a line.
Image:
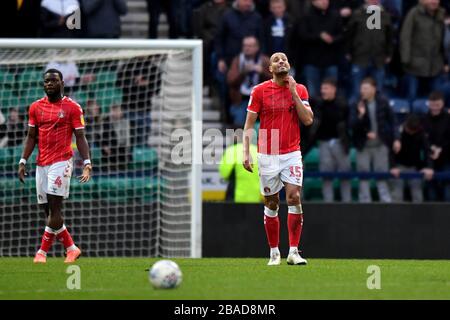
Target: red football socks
295	223
47	239
272	226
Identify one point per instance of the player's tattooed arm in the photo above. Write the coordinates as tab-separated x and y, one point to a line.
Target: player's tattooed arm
30	142
83	148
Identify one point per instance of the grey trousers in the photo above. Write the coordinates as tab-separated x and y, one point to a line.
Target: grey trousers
378	156
415	186
333	158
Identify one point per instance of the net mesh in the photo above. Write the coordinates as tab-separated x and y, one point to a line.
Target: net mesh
137	203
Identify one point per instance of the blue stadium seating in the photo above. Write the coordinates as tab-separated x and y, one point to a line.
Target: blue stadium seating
420	106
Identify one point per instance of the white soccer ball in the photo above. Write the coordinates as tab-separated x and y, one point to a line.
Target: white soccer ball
165	274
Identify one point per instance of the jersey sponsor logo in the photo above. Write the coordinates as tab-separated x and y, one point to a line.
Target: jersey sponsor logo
58	182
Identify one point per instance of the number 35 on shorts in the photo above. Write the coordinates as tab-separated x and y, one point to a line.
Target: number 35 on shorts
296	171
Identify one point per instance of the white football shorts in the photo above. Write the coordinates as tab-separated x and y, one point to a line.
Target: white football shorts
275	170
53	179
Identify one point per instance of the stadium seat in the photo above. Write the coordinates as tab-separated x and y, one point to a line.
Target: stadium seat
104	79
126	189
6	157
6	80
30	78
144	158
107	97
420	106
311	160
400	106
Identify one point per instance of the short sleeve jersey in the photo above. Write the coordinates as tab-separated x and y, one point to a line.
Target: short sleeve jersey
56	123
279	130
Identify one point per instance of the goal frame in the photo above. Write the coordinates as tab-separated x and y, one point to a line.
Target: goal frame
196	109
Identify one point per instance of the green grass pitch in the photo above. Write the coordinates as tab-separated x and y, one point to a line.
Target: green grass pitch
223	278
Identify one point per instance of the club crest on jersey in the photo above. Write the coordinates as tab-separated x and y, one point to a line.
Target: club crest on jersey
61	114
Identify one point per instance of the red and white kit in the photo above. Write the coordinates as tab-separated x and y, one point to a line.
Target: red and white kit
279	156
55	123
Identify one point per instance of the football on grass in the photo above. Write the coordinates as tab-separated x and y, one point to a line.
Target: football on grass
165	274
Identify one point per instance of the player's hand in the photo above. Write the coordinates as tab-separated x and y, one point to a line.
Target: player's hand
395	172
371	135
397	146
86	175
361	109
291	83
248	162
22	172
428	173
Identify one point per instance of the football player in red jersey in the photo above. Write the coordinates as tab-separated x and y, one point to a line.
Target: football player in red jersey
281	104
52	121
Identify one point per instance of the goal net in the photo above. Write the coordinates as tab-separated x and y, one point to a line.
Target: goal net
142	105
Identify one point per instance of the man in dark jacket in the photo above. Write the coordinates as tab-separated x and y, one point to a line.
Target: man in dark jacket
102	17
369	50
277	29
373	131
239	21
411	155
330	124
421	46
318	38
437	127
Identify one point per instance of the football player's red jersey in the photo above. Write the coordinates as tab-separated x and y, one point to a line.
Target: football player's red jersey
55	123
279	130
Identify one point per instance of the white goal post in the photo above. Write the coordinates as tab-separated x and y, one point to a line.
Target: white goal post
174	233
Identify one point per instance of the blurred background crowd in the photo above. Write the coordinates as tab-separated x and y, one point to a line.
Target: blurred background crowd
380	89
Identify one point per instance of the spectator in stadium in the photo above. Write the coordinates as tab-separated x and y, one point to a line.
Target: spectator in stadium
15	128
373	132
331	125
437	127
237	22
171	9
247	69
3	131
115	141
206	20
102	17
139	78
277	29
411	156
54	15
369	50
65	62
345	8
243	186
421	47
318	36
24	16
94	123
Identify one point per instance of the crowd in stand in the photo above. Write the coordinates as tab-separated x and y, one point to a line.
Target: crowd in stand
366	78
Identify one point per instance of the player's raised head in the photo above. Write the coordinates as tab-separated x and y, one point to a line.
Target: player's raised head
279	64
53	82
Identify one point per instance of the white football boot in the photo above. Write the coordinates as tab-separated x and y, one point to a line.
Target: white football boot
294	258
275	259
